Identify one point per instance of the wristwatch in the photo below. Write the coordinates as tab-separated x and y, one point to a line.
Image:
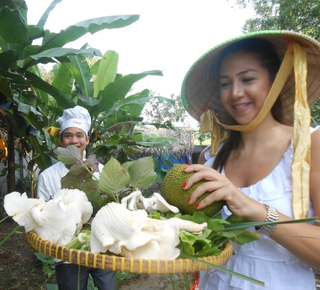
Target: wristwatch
272	216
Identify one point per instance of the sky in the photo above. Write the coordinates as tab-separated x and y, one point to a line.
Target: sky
169	36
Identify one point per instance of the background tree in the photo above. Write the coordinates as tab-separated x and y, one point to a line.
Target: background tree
157	110
297	15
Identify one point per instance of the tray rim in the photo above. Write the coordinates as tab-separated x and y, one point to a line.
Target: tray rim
123	264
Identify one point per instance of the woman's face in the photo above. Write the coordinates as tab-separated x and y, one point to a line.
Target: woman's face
74	136
244	85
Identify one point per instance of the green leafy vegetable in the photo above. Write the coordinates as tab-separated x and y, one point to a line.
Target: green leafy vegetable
116	180
113	177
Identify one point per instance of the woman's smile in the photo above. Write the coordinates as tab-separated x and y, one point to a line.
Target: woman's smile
244	86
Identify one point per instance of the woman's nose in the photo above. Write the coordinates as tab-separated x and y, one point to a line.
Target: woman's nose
237	90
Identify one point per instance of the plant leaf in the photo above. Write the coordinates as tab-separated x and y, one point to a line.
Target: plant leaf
107	71
224	270
245	225
142	172
90	187
246	237
113	177
68	155
79	29
13	27
82	74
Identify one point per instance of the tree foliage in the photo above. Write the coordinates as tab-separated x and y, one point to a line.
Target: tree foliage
173	111
297	15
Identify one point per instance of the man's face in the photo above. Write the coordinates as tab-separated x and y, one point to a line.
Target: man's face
74	136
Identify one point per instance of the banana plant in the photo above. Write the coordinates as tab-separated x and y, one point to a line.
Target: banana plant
29	104
114	111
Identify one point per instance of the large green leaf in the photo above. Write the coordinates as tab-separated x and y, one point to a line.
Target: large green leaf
63	80
34	33
118	106
4	88
14	77
45	15
117	90
13	27
63	99
7	59
43	160
82	74
77	30
107	71
142	173
43	97
50	54
127	110
113	177
88	102
68	155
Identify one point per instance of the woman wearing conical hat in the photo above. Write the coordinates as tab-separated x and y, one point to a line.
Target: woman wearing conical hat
253	94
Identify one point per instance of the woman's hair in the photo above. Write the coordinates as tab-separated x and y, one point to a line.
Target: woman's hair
263	51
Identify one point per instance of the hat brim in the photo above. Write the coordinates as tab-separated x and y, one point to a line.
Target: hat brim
200	92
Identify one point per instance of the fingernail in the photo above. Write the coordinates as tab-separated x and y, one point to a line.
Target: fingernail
184	168
188	200
197	205
184	185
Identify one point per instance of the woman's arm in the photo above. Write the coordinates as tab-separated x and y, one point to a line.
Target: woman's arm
304	239
301	239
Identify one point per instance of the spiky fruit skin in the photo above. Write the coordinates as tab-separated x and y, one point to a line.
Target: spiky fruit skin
174	194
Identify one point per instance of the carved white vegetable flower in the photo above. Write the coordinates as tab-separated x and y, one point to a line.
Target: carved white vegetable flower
57	220
132	234
155	202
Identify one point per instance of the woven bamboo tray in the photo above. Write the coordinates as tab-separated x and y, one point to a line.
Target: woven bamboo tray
123	264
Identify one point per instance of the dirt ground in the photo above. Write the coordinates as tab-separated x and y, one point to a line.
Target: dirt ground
20	268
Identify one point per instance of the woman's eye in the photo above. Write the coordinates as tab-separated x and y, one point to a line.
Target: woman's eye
247	80
224	85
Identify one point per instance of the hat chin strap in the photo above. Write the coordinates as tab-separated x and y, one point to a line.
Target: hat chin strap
295	57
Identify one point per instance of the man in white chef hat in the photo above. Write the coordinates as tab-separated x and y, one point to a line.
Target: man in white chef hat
75	124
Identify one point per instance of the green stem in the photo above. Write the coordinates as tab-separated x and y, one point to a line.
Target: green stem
16	228
260	283
186	281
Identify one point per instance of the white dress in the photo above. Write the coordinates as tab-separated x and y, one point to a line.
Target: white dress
264	260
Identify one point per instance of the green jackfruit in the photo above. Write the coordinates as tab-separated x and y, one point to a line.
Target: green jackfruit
174	194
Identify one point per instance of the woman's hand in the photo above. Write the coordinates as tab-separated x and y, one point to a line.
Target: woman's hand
221	188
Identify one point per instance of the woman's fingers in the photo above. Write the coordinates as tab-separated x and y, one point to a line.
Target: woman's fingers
219	188
201	172
206	187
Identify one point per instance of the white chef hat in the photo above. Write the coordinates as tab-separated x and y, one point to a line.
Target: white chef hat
78	117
